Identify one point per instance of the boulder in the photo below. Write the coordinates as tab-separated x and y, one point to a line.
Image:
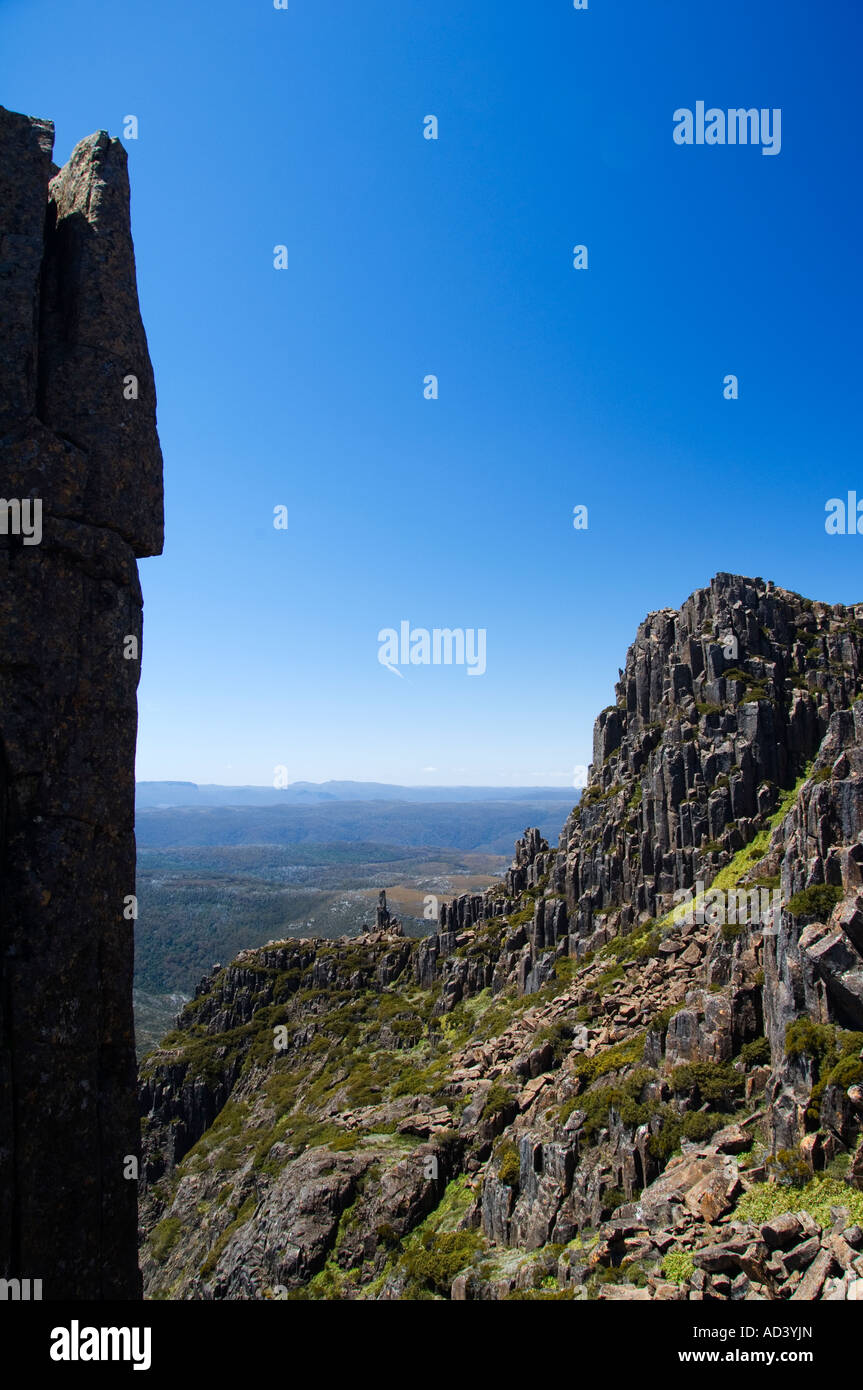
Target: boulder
782	1231
841	967
705	1183
801	1256
812	1282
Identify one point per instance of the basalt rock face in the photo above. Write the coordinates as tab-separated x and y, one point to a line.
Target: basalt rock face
720	706
584	1081
78	440
817	972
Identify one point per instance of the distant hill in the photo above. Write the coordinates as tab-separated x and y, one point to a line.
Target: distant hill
478	826
164	794
223	868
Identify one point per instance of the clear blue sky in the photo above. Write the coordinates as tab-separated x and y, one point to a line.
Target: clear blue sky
557	387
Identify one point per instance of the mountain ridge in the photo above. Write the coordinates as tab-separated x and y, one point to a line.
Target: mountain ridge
466	825
152	794
580	1083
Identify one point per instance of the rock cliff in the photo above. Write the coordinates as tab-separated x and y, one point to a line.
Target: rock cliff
80	452
630	1070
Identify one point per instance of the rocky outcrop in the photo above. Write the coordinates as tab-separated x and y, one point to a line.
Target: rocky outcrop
609	1053
814	962
721	705
79	449
384	920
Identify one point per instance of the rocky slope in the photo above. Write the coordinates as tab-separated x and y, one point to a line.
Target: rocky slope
74	445
615	1074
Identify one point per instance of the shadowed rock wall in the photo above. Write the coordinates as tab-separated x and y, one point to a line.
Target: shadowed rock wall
78	437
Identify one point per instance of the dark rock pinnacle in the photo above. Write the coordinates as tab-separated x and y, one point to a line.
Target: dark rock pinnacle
79	450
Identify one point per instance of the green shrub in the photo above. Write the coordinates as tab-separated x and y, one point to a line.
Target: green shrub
566	969
787	1166
712	1082
624	1098
838	1167
165	1237
835	1055
823	1042
608	977
498	1100
765	1200
678	1266
659	1023
848	1071
509	1170
612	1198
387	1235
438	1256
636	945
449	1145
805	1038
622	1054
559	1034
701	1125
817	901
756	1053
629	1272
696	1125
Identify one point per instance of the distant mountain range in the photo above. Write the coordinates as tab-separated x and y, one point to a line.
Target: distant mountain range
478	826
223	868
165	794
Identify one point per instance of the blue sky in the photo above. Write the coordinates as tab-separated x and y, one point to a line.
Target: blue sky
408	257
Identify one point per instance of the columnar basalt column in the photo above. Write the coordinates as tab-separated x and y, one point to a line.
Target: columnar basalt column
80	499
